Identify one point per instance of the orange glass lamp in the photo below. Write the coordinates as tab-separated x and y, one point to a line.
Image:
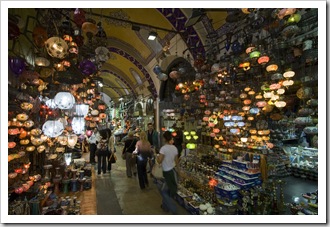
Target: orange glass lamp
262	60
272	67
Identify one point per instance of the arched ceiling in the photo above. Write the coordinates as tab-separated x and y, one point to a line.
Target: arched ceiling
129	70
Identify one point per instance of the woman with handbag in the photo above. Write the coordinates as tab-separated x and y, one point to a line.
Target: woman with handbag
112	149
168	158
102	152
128	149
143	154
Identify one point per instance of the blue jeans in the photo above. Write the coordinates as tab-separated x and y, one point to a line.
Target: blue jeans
102	161
168	202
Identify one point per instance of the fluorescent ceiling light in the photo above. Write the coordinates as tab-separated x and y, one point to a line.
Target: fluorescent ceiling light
152	36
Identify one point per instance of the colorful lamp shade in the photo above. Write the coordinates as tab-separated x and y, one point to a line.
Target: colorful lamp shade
68	158
57	47
254	54
64	100
294	18
288	83
52	128
87	67
191	146
39	36
82	110
262	60
41	61
89	27
51	103
289	74
17	65
272	67
78	125
280	104
72	140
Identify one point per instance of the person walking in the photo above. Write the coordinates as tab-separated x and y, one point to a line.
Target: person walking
102	152
111	147
143	153
153	138
128	149
168	158
92	140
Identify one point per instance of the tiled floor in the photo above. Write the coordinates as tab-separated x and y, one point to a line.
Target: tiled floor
117	194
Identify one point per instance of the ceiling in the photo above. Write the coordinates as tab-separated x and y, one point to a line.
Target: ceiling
129	70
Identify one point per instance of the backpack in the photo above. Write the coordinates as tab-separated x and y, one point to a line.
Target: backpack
103	145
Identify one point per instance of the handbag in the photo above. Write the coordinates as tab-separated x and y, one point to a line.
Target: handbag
157	171
123	155
113	158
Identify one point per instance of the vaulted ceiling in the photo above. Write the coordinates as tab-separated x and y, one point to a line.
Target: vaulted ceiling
129	70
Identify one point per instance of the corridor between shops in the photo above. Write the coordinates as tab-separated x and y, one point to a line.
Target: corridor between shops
116	194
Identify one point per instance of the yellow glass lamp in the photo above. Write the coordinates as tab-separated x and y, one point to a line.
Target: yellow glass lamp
191	146
294	18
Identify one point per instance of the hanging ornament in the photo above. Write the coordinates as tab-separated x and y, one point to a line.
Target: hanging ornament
17	65
87	67
39	36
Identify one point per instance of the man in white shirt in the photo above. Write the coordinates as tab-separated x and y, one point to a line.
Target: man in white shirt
92	140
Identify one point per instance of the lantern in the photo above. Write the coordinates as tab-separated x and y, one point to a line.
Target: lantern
64	100
78	125
56	47
52	128
82	110
72	140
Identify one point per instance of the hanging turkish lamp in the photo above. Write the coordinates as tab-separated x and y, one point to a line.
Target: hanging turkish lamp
78	125
57	47
250	48
64	100
41	61
82	110
72	140
255	54
272	66
280	104
263	59
39	36
102	53
288	83
245	65
87	67
286	12
79	17
289	74
52	128
294	18
17	65
90	29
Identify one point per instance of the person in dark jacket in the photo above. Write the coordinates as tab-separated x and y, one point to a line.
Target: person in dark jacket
129	147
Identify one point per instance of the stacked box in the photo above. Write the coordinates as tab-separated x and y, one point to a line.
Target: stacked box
193	208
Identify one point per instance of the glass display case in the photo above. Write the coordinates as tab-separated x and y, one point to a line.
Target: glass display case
303	161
